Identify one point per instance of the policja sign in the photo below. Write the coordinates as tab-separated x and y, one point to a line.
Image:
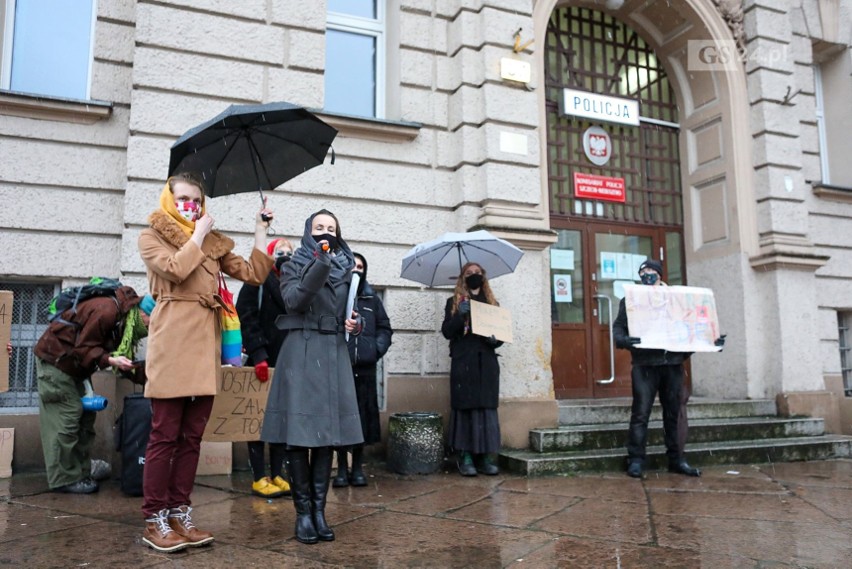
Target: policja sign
600	107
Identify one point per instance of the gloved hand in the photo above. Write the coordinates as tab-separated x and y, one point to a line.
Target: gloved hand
632	340
261	370
492	341
720	341
464	307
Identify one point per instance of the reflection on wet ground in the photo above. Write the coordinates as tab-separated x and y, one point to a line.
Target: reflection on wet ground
781	515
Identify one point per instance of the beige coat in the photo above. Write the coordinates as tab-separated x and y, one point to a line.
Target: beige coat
184	340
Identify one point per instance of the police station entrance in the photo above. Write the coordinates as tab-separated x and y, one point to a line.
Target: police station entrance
614	189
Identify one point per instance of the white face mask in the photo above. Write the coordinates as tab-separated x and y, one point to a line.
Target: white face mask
190	211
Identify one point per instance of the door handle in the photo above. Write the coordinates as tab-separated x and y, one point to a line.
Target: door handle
611	351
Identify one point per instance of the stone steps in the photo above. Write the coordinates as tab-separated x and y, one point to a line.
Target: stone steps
592	437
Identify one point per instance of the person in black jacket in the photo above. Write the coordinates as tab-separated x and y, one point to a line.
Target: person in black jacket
258	307
474	377
365	351
653	371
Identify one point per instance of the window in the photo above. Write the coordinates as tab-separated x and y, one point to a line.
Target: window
355	57
47	47
844	322
833	91
29	321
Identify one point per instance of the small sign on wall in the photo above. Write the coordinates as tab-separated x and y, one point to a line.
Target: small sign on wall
594	187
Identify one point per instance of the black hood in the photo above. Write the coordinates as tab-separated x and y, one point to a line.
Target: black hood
342	260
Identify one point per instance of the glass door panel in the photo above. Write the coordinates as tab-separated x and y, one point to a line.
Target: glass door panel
566	278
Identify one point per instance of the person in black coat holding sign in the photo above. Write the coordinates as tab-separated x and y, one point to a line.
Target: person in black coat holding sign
653	371
258	307
474	377
365	351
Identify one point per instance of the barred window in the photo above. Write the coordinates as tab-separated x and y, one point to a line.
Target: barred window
29	321
844	322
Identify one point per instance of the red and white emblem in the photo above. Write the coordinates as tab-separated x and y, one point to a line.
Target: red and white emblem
597	145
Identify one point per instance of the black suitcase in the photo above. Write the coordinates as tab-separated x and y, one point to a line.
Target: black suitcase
131	438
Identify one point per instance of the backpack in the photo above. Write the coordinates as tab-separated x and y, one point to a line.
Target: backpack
70	297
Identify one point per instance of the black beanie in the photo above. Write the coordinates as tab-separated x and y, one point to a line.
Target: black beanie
652	264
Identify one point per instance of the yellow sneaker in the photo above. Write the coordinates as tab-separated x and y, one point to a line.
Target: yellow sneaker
283	484
266	489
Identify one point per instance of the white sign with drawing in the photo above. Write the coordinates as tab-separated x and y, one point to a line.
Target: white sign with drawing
562	288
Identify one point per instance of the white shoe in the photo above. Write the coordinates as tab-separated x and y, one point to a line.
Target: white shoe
101	470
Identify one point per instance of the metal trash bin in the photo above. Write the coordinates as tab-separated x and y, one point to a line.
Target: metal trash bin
415	443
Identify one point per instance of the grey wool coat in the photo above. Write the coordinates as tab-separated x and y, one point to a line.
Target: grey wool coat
312	400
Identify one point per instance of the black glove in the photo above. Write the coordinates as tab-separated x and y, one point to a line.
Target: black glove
632	340
492	341
464	307
720	341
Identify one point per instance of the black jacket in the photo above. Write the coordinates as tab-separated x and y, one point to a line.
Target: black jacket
642	356
474	369
373	342
261	339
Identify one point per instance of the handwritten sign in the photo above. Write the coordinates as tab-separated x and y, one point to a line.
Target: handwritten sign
5	335
238	407
673	318
7	446
489	320
214	458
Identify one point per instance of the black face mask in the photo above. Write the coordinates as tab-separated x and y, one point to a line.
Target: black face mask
281	259
649	278
473	281
332	240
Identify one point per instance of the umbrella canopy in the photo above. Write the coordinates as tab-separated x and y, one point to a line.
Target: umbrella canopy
439	262
252	148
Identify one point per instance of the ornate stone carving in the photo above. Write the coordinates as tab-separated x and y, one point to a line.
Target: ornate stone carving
732	12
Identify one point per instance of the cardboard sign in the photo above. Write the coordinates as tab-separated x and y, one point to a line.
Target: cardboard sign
673	318
5	336
489	320
238	407
7	445
215	458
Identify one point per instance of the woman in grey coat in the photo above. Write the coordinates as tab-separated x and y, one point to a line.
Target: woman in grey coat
312	405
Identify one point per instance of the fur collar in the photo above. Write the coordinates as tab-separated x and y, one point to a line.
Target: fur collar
215	246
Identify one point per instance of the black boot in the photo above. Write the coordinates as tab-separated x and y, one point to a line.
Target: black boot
680	466
357	477
321	474
299	471
342	478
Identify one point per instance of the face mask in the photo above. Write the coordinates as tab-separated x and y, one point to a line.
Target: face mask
190	211
649	278
332	240
473	281
280	258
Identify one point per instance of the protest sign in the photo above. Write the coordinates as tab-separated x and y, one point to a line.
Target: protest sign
214	458
5	336
238	407
673	318
7	447
489	320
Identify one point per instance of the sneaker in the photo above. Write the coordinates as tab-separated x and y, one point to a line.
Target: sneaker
101	470
465	463
265	488
180	521
159	534
283	484
84	486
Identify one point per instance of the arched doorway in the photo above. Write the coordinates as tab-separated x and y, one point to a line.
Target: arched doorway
686	170
595	63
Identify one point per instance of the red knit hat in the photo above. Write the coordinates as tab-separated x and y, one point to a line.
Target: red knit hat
270	249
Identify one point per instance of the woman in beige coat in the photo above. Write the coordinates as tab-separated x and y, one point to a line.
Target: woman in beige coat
184	256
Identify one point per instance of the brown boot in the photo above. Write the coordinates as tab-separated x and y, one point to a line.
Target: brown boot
160	536
181	522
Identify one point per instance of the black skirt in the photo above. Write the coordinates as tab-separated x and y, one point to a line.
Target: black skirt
475	430
368	404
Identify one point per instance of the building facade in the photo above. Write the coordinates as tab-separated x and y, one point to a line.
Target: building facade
455	115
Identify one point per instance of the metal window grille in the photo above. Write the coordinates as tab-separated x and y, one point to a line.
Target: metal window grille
29	320
844	323
591	51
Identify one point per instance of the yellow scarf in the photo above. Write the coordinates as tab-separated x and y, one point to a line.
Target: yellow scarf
167	204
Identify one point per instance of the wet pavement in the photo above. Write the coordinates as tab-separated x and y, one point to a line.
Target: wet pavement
762	516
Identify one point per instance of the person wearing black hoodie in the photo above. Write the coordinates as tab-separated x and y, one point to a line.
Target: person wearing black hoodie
258	307
365	351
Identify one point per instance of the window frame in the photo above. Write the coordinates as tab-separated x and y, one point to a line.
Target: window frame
7	23
377	29
819	111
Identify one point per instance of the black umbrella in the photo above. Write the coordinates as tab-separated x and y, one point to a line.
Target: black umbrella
253	147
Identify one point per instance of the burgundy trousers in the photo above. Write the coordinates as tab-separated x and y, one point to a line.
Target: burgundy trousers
171	457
